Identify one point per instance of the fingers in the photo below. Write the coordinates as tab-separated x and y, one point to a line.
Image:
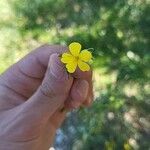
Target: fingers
25	76
51	94
35	63
88	77
78	94
89	98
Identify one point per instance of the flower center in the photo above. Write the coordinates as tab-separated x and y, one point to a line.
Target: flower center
77	58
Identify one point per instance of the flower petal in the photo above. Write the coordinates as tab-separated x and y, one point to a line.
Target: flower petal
85	55
71	67
75	48
66	58
83	66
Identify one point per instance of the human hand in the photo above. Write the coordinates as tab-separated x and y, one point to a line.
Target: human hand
32	93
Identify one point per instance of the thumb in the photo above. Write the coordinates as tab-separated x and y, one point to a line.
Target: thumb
52	92
56	82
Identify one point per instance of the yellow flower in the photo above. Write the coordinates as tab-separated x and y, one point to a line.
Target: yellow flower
75	57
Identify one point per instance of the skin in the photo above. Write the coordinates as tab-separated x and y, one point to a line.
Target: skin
32	94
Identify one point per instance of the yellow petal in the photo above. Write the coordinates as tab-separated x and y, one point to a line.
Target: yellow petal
71	67
75	48
83	66
66	58
85	55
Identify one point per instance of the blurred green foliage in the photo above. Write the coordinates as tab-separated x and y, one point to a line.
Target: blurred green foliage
119	32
